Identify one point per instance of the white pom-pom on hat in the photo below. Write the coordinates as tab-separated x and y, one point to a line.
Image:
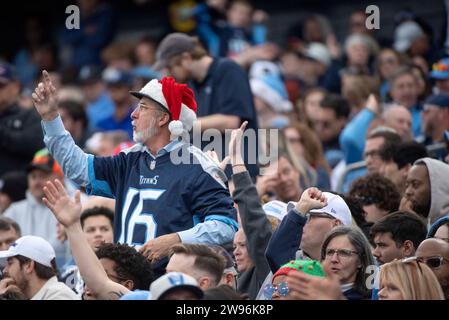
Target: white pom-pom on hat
176	128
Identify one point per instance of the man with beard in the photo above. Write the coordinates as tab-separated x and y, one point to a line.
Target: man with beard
427	189
161	198
31	267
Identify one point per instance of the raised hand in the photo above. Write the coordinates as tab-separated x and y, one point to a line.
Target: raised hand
66	211
235	144
214	156
45	98
311	198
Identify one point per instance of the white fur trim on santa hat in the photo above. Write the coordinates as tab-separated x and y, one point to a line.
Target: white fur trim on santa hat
153	89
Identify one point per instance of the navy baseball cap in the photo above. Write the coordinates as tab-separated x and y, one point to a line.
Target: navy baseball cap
7	73
440	70
440	100
90	73
113	76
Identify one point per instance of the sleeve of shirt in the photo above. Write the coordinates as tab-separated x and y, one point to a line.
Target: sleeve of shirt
285	240
73	160
104	173
209	232
213	212
97	174
235	96
350	139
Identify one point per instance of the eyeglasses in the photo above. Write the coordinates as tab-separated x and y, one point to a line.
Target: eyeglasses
341	253
281	289
309	216
374	154
432	262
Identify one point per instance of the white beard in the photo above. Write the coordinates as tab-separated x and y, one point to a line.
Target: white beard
148	133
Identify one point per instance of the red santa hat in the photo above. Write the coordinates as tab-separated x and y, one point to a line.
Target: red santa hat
178	99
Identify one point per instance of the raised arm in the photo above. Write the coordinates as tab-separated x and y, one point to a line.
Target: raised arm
68	212
287	238
255	223
73	161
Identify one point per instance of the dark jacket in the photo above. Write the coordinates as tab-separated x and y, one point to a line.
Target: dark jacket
258	232
20	138
285	240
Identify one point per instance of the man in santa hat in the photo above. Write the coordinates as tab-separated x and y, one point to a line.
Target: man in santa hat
158	203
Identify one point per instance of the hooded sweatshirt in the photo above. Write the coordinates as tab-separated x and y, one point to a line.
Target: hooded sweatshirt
439	188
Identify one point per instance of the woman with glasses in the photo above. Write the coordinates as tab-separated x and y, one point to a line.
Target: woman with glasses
347	253
408	279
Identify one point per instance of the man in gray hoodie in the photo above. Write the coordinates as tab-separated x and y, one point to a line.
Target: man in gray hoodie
427	189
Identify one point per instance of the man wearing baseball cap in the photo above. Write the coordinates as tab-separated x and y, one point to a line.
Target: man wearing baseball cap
302	231
29	264
20	130
166	190
435	119
118	83
175	286
440	73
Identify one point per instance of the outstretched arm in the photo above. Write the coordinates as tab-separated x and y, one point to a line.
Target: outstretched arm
68	212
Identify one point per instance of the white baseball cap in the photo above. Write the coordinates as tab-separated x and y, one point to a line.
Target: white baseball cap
32	247
336	207
405	34
174	280
319	52
275	208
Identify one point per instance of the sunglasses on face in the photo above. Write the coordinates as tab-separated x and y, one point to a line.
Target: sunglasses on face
432	262
281	289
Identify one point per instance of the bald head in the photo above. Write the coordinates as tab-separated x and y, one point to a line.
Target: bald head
399	118
435	253
433	247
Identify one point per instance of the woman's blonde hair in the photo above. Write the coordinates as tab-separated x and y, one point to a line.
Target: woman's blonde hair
415	280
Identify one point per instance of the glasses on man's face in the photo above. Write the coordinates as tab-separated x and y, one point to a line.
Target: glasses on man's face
281	289
373	153
341	253
432	262
310	216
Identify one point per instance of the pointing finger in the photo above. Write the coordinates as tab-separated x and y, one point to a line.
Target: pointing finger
46	77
